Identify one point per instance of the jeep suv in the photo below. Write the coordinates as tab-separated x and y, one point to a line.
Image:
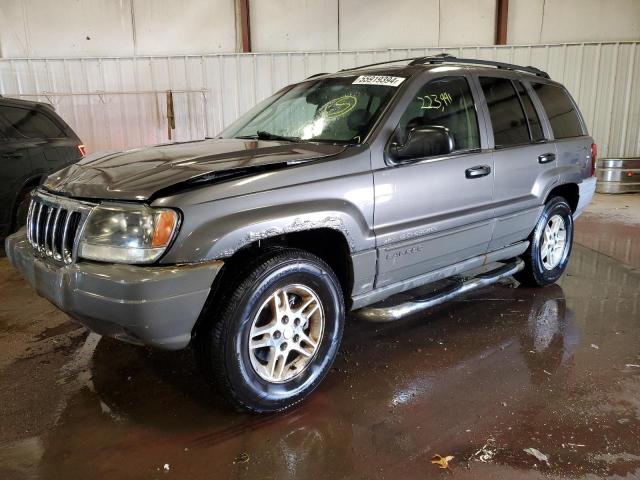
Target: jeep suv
34	142
333	195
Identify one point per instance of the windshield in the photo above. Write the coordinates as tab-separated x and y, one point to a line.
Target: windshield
339	109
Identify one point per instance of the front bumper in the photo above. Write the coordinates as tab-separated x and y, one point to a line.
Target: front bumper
150	305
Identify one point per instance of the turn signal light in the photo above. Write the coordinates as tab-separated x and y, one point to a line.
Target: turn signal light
165	223
82	149
594	157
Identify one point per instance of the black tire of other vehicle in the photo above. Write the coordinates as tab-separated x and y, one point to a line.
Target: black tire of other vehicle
534	273
21	209
221	343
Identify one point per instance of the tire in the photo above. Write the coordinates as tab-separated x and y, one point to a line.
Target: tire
225	343
541	267
21	209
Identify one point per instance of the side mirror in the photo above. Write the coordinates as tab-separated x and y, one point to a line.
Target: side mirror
424	142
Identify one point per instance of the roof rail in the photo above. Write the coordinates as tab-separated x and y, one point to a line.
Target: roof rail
316	75
380	63
446	58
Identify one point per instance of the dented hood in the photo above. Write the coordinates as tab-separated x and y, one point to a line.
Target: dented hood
138	174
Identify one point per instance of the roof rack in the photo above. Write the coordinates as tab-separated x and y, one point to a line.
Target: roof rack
316	75
380	63
446	58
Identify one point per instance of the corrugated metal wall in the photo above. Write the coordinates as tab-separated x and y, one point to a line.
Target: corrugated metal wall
119	103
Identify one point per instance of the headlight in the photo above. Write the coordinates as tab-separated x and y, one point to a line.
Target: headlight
123	233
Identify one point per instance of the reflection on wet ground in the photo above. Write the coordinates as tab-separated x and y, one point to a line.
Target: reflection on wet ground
618	240
556	369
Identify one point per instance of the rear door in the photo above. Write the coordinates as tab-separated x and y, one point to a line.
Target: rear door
434	211
568	130
524	158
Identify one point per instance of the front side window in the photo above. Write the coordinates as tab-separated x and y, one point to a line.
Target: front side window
29	123
445	102
507	117
338	109
5	132
562	114
5	125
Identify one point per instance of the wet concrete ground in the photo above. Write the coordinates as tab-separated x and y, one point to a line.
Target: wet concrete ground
555	369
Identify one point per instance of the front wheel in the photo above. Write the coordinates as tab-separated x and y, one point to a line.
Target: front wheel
277	332
550	245
21	209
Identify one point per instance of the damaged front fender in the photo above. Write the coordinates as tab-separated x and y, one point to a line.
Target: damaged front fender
221	219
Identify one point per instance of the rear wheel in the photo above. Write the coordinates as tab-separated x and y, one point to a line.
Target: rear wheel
277	332
550	245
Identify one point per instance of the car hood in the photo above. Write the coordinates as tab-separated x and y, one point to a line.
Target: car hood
138	174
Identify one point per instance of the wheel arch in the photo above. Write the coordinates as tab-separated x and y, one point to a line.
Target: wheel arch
569	191
328	244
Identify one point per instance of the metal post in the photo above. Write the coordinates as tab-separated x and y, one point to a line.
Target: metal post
171	119
245	30
502	15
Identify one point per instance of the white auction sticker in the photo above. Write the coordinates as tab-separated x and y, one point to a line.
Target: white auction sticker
378	80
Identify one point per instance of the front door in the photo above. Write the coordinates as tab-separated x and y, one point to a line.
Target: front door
15	165
434	211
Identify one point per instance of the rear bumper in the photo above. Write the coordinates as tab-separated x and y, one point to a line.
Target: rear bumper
586	190
156	306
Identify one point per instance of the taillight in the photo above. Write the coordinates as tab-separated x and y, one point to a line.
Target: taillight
594	157
83	150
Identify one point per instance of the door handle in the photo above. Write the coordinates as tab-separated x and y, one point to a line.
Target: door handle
546	157
477	172
13	155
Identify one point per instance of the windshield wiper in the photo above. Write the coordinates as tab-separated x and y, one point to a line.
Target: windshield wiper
262	135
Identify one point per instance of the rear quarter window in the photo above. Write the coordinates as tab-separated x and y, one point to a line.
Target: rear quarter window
27	123
562	114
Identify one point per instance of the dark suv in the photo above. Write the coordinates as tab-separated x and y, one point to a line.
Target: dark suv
34	142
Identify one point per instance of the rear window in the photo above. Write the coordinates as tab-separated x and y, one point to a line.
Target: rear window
562	114
507	117
27	123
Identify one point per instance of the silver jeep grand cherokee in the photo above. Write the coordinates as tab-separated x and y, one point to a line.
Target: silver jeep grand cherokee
331	196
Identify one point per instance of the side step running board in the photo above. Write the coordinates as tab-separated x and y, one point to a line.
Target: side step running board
396	312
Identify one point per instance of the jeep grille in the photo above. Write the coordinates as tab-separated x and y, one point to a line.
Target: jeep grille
53	225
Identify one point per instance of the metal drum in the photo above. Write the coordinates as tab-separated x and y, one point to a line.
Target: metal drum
618	175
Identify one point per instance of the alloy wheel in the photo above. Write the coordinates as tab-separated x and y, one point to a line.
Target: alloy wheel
554	242
286	333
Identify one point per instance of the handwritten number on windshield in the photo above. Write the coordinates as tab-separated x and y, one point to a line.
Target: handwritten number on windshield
436	102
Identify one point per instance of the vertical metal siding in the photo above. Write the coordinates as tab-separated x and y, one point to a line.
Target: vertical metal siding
210	91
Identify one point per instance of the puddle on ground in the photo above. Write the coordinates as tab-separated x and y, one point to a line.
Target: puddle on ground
553	369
